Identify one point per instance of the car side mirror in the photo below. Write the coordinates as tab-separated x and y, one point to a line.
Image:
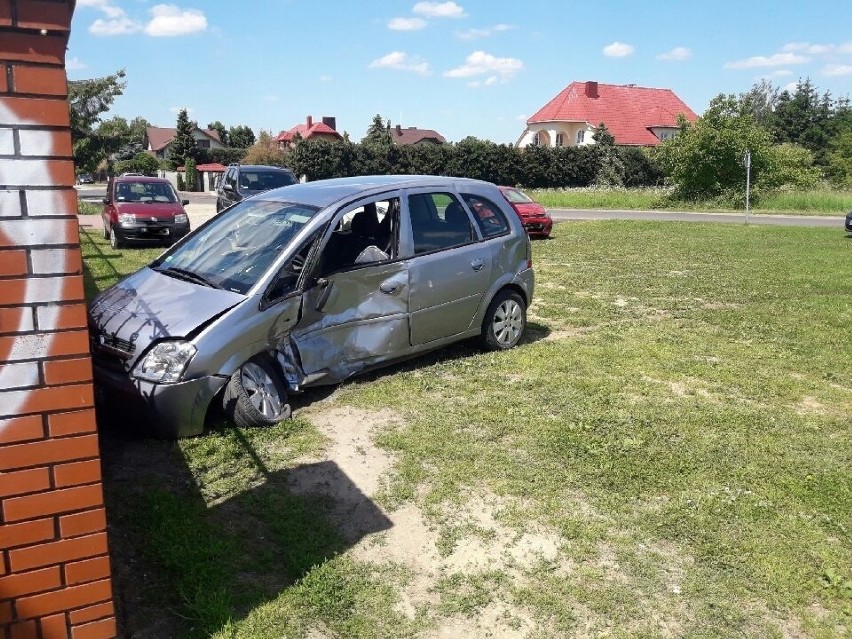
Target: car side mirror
106	200
184	202
228	187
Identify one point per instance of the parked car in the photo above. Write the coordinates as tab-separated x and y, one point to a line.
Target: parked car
143	209
849	222
307	285
242	181
536	219
85	178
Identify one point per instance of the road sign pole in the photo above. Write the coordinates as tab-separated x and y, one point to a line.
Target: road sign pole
747	165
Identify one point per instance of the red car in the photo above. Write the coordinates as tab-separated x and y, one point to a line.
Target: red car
143	209
534	216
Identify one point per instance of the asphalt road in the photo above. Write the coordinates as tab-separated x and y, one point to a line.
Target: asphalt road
202	206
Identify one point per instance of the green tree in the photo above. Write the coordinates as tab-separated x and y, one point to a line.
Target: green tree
705	161
839	159
191	175
183	146
87	101
221	130
142	162
760	102
241	137
264	151
128	137
378	133
610	167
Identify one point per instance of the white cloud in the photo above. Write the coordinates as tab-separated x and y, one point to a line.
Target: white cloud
776	60
439	10
676	54
780	73
74	64
486	32
482	63
790	87
401	62
406	24
521	118
112	27
618	50
103	5
170	20
837	69
326	78
810	49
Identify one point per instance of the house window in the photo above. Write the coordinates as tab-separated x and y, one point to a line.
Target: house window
536	140
581	136
560	139
202	144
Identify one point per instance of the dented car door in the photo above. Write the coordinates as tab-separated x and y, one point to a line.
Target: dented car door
355	308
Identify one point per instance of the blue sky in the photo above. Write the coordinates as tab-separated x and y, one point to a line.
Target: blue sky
469	67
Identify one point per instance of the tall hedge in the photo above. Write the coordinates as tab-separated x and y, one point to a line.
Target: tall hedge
533	167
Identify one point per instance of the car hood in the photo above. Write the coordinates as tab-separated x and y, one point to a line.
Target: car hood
530	209
149	210
149	306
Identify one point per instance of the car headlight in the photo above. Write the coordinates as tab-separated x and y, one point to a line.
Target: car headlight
181	218
127	219
165	362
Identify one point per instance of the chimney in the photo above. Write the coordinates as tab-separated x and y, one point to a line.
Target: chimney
399	129
310	122
330	122
592	90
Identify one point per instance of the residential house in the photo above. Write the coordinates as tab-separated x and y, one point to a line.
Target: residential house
412	135
158	140
310	130
635	116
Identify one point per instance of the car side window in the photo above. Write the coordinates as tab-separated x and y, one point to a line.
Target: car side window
364	234
438	221
490	219
229	176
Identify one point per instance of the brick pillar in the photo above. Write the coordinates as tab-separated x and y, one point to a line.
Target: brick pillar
54	563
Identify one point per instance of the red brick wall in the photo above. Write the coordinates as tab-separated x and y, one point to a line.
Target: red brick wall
54	563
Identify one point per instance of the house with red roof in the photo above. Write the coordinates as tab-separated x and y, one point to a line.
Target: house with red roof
158	140
324	130
412	135
636	116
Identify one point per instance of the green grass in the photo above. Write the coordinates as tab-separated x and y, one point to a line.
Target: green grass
678	419
85	207
814	202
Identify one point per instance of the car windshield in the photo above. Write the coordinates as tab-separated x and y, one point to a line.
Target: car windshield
236	248
145	192
265	180
517	197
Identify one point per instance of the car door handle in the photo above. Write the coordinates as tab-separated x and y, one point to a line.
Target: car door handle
389	286
477	264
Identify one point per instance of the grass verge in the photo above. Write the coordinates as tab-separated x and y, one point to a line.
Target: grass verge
815	202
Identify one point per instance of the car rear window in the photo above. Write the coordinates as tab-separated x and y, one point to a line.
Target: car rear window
488	215
265	180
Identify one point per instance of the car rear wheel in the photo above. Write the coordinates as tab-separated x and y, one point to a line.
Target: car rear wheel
505	321
255	396
114	240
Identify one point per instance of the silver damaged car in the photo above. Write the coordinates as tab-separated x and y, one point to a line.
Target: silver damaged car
305	285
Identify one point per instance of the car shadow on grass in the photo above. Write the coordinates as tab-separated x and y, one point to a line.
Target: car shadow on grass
185	564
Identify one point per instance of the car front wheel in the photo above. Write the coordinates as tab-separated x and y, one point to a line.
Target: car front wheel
255	396
505	321
115	240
